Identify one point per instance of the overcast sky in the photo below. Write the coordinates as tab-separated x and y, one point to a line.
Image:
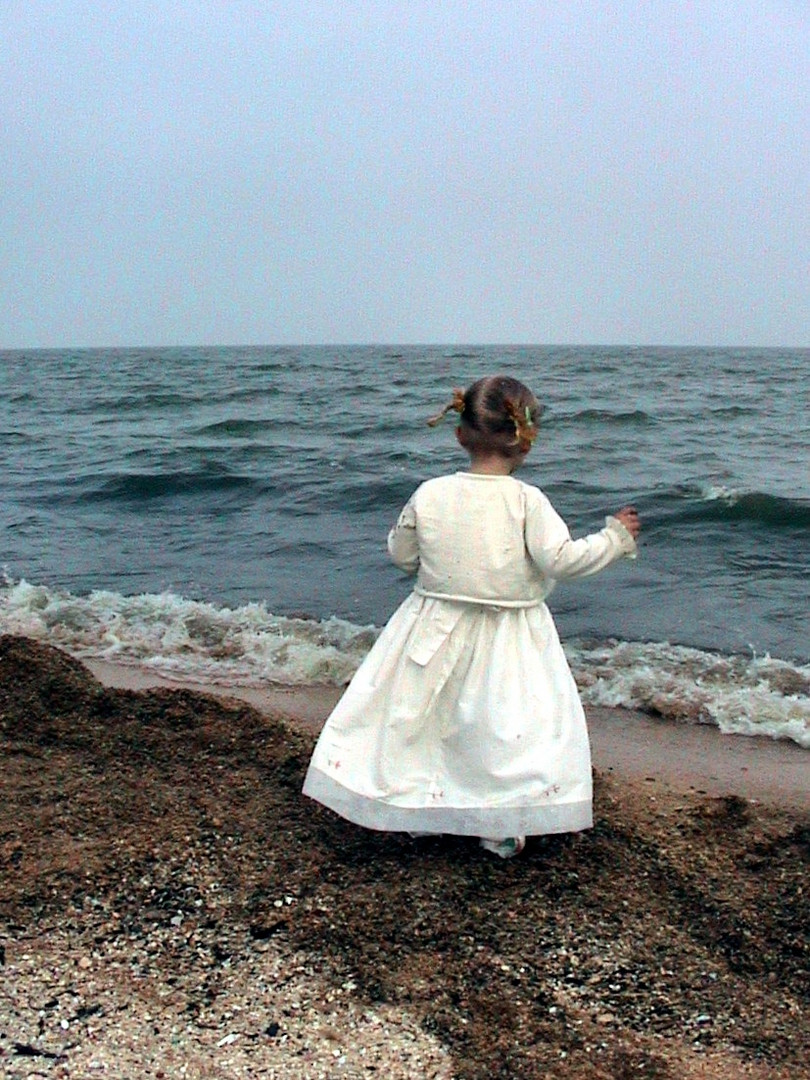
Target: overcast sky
404	171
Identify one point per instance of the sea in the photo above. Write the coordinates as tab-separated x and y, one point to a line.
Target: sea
219	514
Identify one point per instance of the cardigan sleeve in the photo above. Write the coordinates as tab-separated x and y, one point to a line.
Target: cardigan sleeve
553	551
403	546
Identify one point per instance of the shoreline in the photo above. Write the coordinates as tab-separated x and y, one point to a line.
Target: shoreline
626	744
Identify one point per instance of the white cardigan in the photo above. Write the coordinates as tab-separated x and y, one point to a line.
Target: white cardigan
495	540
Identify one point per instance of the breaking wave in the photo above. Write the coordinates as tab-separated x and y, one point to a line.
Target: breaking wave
709	502
190	640
741	695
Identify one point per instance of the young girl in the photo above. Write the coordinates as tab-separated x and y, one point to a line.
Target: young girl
464	717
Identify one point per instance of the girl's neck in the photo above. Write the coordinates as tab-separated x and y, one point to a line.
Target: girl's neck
493	464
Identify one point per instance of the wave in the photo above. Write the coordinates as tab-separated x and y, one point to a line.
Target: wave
143	487
145	401
188	639
301	549
248	393
191	640
606	416
359	495
730	412
20	438
246	429
712	502
23	397
740	695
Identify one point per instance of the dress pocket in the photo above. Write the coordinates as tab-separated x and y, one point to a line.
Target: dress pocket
433	627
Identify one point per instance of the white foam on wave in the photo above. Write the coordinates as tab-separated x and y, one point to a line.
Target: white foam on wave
716	492
250	646
188	639
712	489
741	695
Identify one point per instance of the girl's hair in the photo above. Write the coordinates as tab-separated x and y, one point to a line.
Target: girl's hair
497	415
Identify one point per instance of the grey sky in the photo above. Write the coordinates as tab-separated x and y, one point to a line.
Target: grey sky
404	171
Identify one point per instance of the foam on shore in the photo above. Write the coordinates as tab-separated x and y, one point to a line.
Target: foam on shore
250	646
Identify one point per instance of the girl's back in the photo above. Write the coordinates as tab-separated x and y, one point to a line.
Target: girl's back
466	533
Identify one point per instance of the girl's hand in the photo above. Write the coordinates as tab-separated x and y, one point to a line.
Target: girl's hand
628	516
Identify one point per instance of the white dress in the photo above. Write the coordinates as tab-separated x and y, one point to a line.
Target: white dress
464	717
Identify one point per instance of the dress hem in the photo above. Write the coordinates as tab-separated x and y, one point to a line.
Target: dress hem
528	819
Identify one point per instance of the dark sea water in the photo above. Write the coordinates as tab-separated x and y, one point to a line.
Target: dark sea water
222	512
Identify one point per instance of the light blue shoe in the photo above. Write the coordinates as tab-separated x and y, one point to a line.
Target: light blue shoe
506	848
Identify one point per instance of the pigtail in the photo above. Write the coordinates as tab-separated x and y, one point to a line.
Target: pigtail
525	427
457	404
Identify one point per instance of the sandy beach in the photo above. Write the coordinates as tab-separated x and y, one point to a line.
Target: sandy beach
171	906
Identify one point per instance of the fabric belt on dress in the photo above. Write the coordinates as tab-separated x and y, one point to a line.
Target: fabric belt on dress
534	601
